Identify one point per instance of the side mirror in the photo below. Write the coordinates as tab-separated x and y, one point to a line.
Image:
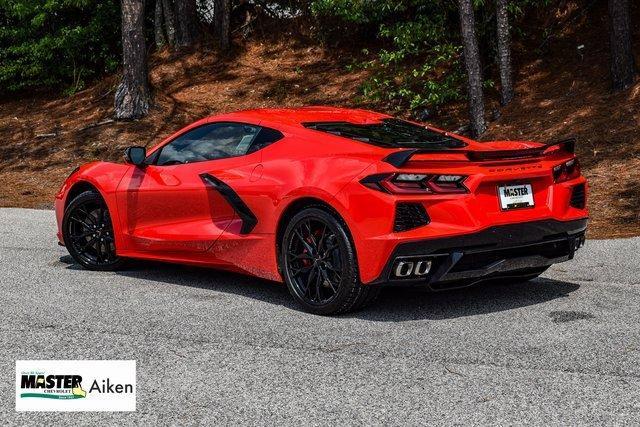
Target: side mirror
135	155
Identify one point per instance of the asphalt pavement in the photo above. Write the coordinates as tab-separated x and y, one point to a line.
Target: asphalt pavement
220	348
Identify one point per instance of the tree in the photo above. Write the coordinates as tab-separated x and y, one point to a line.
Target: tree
59	44
473	67
158	25
222	10
187	17
504	52
622	63
169	21
132	95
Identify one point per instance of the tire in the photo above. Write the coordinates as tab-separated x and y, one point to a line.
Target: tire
319	264
88	233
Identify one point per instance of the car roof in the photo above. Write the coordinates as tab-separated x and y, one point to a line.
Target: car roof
297	116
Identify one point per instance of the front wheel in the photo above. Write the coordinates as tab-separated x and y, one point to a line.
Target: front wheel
88	233
319	264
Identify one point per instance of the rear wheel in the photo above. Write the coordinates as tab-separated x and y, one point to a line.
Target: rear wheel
88	233
319	264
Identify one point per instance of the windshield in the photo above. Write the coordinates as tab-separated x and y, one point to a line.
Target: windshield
389	133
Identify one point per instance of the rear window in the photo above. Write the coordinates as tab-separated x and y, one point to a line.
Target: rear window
389	133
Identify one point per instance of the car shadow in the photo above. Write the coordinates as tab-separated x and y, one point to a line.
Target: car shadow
395	304
405	304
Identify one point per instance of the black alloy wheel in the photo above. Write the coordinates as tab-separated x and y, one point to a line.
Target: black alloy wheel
314	261
88	233
319	264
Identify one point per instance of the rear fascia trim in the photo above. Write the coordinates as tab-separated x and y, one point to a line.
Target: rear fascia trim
492	238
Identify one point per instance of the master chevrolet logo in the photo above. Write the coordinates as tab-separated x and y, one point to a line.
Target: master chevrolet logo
75	385
67	386
52	386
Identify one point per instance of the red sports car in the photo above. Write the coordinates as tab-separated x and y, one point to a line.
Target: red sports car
333	202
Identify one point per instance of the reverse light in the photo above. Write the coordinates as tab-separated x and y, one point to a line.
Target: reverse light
566	171
410	177
449	178
415	183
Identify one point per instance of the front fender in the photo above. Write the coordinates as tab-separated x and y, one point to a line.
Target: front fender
104	177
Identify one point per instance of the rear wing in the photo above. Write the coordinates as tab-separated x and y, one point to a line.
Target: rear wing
399	158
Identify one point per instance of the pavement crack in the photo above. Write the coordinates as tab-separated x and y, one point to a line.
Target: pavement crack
451	371
181	340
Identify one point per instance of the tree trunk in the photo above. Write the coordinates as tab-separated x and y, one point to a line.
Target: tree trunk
504	52
158	26
132	95
187	17
622	63
472	64
169	21
222	10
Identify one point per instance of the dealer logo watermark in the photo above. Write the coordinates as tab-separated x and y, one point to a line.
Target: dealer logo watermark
75	385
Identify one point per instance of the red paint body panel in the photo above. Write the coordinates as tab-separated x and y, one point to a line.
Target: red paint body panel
168	213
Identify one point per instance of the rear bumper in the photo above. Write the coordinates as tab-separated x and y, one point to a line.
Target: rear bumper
508	250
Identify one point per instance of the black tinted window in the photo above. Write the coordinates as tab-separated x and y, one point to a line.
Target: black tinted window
392	133
265	137
209	142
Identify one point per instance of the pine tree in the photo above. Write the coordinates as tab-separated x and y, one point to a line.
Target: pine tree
168	9
187	18
158	25
473	67
132	95
622	64
504	52
222	18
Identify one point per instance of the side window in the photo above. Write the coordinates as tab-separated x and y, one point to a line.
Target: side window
265	137
209	142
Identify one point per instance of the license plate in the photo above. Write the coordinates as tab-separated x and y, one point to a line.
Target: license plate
515	196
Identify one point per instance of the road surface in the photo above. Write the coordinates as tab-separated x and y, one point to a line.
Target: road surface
220	348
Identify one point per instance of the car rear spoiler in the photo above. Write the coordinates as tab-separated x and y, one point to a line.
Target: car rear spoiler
399	158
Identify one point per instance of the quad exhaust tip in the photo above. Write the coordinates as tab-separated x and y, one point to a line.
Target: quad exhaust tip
412	268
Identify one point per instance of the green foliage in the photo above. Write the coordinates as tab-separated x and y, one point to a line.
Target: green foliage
419	64
57	43
436	79
357	11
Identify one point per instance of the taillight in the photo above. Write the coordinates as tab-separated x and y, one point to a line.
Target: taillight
415	183
566	171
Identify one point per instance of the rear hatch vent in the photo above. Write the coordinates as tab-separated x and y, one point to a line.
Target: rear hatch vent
578	197
410	216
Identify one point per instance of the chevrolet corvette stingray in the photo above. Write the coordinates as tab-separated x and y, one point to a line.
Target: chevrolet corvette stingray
333	202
